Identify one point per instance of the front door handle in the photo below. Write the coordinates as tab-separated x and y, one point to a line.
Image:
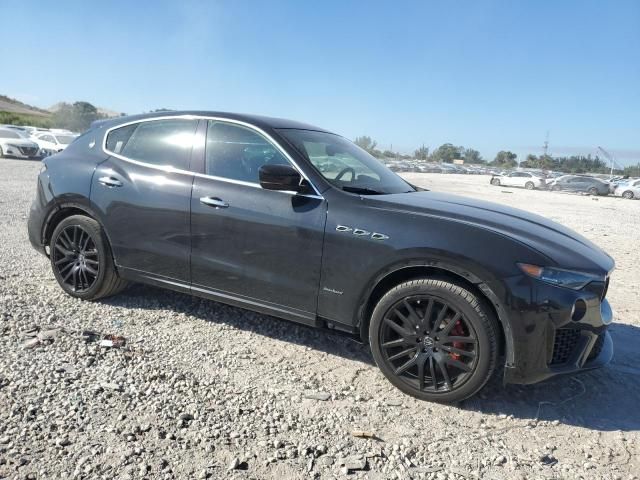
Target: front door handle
110	182
214	202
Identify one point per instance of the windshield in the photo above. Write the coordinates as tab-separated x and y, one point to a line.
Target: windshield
65	139
9	134
345	165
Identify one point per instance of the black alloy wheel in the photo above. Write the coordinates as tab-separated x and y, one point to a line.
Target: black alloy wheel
75	257
429	343
628	194
81	259
434	340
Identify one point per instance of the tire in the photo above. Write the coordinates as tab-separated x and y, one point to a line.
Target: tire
1	153
529	185
628	194
495	181
81	259
471	322
593	191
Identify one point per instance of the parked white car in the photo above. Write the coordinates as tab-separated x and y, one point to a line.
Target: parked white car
527	180
14	144
630	189
53	142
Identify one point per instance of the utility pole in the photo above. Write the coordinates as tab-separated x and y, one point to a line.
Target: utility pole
546	144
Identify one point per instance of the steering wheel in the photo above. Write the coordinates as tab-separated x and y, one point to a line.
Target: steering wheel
346	170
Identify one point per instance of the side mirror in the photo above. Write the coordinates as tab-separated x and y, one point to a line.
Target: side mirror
281	177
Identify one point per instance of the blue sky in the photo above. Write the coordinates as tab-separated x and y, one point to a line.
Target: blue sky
484	74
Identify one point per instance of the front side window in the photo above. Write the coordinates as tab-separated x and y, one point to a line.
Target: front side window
237	153
165	143
345	165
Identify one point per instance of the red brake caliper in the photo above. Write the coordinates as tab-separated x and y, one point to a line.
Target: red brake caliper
457	331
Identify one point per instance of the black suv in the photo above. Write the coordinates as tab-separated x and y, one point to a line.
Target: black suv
291	220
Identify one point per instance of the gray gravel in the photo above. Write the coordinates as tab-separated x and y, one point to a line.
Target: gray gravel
202	390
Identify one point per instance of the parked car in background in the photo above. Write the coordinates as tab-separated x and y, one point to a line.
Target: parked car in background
53	142
14	143
616	181
580	184
629	189
527	180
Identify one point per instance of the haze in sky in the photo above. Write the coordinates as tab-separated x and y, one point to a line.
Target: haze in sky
489	75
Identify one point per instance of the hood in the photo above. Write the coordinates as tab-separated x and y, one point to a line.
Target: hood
566	248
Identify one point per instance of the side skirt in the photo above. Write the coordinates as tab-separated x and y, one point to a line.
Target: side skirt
222	297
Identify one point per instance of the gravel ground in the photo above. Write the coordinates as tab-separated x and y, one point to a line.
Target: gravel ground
202	390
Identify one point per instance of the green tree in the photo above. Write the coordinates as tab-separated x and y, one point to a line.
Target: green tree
422	153
472	156
447	153
76	117
366	143
505	159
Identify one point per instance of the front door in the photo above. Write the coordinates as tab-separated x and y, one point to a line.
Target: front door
259	247
143	201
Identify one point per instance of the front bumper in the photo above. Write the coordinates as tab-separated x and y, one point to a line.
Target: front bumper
549	342
23	153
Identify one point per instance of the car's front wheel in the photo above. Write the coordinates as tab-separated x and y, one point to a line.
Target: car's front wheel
628	194
81	259
434	340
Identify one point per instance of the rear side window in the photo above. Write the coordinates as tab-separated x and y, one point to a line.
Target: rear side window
157	142
117	138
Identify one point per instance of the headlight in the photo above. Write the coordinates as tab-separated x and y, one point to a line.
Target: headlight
559	277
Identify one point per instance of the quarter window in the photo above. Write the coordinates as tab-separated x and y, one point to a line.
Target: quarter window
237	153
166	143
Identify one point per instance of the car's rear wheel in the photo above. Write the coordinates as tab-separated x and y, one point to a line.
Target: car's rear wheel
529	185
495	181
593	191
434	340
1	153
628	194
81	259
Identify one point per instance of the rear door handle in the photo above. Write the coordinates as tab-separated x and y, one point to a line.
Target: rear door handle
214	202
110	182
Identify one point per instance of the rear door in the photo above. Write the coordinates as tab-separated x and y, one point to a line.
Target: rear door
253	246
142	193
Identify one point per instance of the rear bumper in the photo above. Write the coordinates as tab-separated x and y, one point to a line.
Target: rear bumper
548	342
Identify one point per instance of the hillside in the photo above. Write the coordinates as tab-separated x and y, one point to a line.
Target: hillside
12	105
103	112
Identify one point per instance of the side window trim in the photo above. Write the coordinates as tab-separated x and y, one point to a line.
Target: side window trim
204	120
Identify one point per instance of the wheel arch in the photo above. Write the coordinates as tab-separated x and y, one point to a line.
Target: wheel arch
396	275
65	210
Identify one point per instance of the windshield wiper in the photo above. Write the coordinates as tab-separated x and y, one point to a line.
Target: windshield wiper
362	190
